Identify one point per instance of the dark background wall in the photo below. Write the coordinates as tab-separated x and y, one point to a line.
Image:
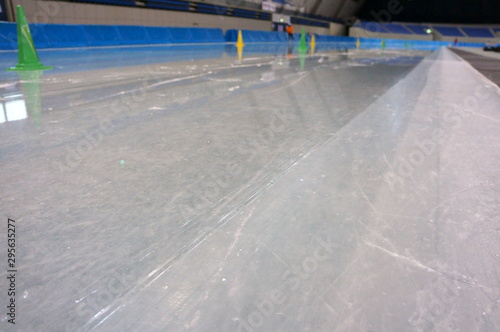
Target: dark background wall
437	11
3	11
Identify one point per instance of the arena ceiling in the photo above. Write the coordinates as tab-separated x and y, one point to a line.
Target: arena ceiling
433	11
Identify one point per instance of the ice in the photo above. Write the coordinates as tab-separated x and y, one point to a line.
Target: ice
358	193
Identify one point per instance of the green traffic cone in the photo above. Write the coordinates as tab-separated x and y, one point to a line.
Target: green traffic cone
303	42
27	55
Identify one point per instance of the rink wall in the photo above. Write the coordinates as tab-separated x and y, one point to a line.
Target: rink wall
70	36
343	41
251	36
66	36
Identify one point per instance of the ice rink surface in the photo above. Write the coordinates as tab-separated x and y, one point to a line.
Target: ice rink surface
181	189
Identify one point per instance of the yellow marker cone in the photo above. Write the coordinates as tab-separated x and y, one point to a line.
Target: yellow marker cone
240	45
239	49
27	54
313	44
239	42
358	43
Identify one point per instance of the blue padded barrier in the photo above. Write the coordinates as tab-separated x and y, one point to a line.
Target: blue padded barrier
282	36
181	35
102	35
256	36
251	36
264	36
369	43
274	37
251	40
205	35
217	36
231	35
278	36
416	44
462	44
334	39
62	36
395	44
133	35
261	36
58	35
267	36
38	35
8	36
158	35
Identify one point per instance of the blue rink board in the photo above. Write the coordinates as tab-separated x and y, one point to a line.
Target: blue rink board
49	36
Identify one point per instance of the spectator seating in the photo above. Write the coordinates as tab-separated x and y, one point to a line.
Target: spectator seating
449	31
478	32
397	28
418	29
